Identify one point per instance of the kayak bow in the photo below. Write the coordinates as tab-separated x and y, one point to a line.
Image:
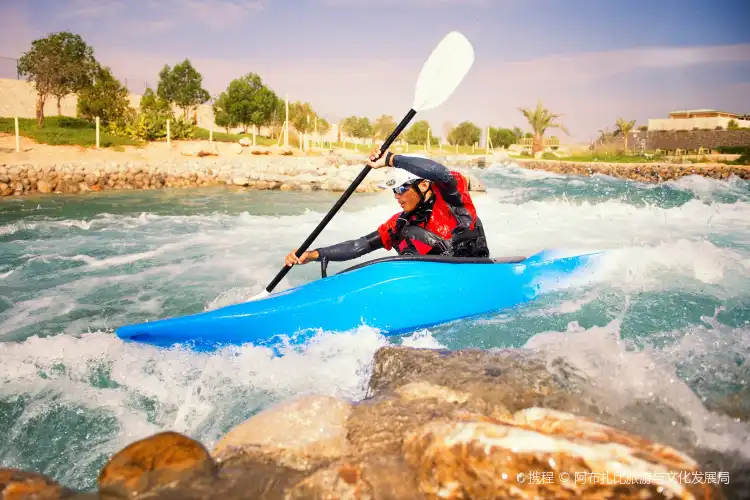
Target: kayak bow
395	295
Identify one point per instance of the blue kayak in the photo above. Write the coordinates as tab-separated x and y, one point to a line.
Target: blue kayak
396	295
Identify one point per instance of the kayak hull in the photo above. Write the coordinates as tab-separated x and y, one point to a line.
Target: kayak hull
395	295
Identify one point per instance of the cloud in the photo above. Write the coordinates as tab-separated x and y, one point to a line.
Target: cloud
88	10
491	92
420	3
154	16
219	13
588	67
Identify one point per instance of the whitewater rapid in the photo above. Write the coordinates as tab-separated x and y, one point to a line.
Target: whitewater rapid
667	314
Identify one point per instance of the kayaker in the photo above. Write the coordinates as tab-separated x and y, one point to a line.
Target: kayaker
438	215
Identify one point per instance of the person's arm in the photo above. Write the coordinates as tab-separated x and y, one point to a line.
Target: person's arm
350	249
444	179
426	169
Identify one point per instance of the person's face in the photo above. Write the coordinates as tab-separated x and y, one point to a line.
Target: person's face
409	199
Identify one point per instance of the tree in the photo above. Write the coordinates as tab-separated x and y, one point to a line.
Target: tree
417	133
107	98
504	137
182	85
383	127
247	101
278	115
151	103
57	65
625	127
540	120
323	126
465	133
357	126
302	117
222	118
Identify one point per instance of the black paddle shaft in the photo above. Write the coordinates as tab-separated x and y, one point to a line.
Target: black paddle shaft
401	126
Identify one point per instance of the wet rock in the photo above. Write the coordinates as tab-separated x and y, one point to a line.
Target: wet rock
301	433
378	425
510	378
735	405
486	458
155	462
374	477
19	485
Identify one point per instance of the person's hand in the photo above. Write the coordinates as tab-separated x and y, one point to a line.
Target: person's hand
306	257
376	162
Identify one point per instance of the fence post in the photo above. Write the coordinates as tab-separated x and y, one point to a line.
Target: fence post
18	138
97	132
286	121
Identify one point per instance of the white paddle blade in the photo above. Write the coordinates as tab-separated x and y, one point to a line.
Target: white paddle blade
443	71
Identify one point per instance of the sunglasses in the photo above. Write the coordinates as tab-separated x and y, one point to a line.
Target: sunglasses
405	186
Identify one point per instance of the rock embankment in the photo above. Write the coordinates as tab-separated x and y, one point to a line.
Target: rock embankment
641	172
324	173
450	425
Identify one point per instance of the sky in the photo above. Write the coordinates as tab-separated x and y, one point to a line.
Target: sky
591	61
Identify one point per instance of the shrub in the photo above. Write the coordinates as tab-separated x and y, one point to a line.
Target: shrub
151	126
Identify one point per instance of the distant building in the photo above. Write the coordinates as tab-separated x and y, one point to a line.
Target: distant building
702	119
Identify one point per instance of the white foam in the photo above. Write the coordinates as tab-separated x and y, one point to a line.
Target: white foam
196	393
624	374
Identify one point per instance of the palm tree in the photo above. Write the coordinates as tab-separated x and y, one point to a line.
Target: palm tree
540	120
625	128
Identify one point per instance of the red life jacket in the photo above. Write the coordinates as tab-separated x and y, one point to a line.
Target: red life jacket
441	223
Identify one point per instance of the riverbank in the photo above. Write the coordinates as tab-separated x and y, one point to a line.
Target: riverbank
42	169
459	424
328	173
641	172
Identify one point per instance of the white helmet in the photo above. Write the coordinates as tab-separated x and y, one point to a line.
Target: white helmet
397	176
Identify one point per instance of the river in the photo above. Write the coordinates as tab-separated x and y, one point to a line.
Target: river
667	316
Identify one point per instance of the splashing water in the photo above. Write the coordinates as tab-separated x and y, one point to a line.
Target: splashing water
666	317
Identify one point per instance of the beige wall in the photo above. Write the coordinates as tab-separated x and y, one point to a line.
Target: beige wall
690	123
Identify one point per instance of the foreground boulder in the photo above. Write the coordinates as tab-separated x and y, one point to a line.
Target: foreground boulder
436	424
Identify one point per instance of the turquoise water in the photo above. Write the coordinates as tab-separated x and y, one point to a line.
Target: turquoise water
666	316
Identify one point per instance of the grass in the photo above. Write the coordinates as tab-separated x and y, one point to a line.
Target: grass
742	160
63	131
204	134
607	158
70	131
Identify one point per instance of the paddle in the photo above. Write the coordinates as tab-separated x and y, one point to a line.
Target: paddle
440	76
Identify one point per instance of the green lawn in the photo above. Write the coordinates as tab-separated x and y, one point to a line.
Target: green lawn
607	158
63	130
204	134
70	131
